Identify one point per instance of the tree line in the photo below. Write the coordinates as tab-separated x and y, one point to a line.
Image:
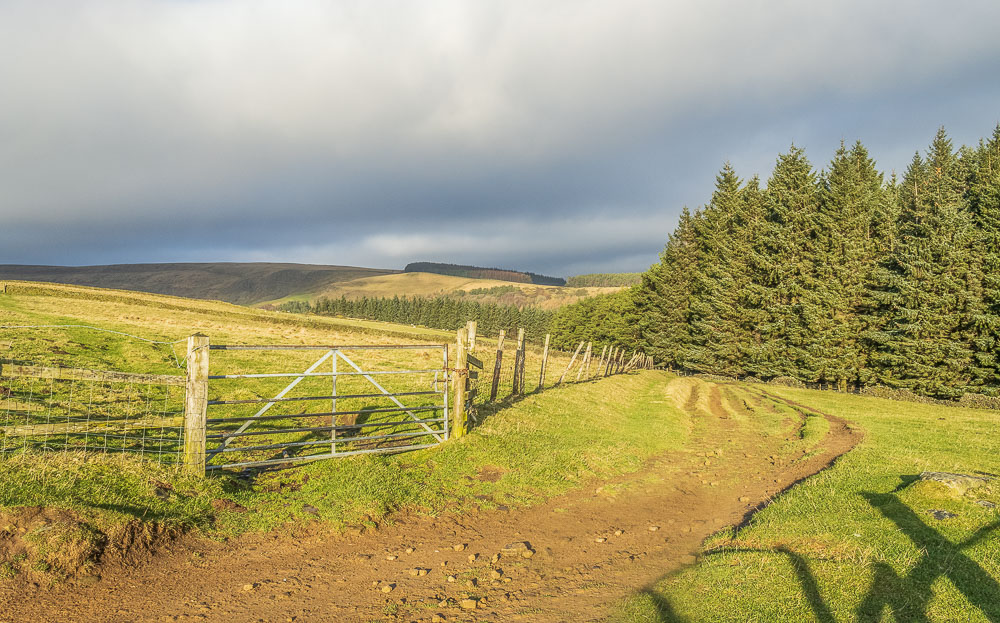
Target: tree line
841	276
441	312
478	272
603	280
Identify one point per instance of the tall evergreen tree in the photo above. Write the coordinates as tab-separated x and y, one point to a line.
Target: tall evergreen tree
791	202
714	315
984	203
923	291
663	297
852	202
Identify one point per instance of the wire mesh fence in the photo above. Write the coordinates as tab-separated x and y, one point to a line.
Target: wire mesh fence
43	409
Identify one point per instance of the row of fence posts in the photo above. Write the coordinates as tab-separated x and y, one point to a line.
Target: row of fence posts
468	367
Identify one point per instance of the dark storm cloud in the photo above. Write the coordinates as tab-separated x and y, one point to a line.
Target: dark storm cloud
557	137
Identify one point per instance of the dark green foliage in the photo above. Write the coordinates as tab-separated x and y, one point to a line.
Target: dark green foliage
442	312
663	299
926	293
605	320
984	203
604	280
859	217
476	272
840	278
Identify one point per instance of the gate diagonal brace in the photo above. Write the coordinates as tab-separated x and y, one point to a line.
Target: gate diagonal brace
399	404
225	442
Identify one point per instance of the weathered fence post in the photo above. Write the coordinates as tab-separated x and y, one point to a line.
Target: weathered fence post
570	366
471	327
495	386
519	364
459	379
600	363
196	404
607	364
584	363
545	362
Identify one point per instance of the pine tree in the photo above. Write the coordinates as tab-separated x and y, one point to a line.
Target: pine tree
923	292
852	201
663	297
786	247
713	317
984	203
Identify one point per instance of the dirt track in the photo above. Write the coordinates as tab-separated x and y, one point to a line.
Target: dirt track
312	575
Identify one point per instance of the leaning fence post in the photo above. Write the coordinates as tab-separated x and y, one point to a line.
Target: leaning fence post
570	366
460	378
545	361
611	359
586	361
196	404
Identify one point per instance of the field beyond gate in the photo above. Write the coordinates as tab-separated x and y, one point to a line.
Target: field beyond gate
270	405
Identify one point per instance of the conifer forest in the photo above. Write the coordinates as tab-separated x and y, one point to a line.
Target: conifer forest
845	276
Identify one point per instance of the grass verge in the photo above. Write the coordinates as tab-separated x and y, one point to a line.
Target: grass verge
538	448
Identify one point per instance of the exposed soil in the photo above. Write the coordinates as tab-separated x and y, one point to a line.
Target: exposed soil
592	547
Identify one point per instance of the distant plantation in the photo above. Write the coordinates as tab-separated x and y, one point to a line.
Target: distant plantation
604	280
476	272
441	312
840	276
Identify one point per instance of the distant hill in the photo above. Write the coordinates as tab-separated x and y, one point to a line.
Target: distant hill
232	282
431	285
604	280
477	272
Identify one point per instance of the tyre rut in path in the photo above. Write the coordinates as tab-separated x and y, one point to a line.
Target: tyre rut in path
593	547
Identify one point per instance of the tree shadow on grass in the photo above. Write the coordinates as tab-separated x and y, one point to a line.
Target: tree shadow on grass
907	597
810	587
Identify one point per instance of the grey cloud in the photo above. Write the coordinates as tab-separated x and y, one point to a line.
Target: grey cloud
349	132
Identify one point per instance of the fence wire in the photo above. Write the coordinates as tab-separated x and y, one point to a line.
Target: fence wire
62	415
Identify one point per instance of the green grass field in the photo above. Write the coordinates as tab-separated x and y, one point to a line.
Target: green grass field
541	445
858	542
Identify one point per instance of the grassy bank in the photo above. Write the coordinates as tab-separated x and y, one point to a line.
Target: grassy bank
859	542
541	446
526	453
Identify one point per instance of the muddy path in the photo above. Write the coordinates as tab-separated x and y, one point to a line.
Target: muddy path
592	547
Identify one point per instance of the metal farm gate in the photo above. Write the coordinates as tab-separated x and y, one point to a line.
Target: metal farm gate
334	401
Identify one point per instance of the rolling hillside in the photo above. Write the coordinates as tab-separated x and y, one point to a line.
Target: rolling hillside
431	285
232	282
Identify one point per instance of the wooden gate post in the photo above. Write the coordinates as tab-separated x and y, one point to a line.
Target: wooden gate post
545	362
459	379
471	327
495	385
196	404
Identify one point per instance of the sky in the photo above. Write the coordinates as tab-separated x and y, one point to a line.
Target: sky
557	137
